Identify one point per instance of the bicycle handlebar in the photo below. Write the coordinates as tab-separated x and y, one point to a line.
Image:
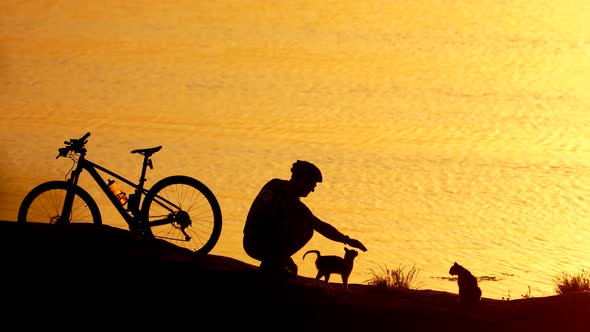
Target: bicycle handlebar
73	145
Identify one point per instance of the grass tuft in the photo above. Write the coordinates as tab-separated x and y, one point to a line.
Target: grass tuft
396	278
566	283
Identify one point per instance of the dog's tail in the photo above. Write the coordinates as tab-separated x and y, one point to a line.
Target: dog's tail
317	252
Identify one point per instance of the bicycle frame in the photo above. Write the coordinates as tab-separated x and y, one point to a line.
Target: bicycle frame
132	213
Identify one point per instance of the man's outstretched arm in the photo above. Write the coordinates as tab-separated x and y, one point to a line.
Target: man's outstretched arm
333	234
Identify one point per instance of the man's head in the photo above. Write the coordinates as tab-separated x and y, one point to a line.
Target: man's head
305	176
304	169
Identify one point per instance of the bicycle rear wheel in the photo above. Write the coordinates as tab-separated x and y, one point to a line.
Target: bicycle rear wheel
184	211
45	202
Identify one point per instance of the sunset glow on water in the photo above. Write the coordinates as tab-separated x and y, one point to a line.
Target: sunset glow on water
446	131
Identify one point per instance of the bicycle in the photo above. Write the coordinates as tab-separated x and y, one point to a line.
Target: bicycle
179	209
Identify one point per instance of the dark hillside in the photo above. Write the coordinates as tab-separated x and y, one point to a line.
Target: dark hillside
64	276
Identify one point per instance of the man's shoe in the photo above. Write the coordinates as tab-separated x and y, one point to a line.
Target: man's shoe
277	269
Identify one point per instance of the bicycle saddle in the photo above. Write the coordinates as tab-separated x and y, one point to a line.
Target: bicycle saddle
148	151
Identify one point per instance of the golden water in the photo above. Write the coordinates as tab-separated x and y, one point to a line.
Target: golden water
446	131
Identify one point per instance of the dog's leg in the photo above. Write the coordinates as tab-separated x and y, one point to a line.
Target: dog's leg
317	279
327	281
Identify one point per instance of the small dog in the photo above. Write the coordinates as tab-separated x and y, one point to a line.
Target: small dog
469	291
327	265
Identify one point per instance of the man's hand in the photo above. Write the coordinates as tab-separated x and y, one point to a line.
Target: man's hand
356	244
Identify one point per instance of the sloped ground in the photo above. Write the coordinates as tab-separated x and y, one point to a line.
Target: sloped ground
87	277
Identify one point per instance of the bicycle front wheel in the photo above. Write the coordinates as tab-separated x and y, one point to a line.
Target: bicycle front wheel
183	211
45	202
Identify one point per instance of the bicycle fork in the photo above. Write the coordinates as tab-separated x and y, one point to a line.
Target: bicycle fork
66	211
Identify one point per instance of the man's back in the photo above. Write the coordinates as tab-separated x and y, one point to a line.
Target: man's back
266	206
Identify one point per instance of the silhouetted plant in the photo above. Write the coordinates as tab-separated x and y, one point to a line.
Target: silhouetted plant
396	278
566	283
528	294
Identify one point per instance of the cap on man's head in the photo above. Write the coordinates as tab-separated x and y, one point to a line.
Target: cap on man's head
306	169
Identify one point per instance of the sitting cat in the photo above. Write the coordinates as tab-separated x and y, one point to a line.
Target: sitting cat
469	291
327	265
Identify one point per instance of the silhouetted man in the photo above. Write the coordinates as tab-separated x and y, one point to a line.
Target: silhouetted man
279	224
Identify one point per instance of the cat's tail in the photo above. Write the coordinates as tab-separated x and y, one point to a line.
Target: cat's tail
317	252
